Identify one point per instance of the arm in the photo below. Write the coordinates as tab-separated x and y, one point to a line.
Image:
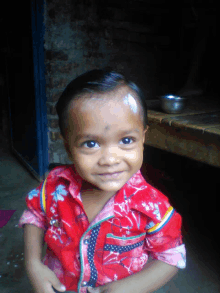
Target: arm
41	277
33	244
154	275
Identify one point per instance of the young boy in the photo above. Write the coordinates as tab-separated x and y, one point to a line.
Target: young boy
100	219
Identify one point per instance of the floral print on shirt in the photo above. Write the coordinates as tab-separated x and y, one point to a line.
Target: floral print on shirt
135	223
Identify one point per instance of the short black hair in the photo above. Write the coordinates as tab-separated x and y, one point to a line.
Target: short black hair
95	81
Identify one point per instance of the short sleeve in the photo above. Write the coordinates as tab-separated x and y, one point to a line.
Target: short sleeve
28	217
175	256
34	213
165	233
164	237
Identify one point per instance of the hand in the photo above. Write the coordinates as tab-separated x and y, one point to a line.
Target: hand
113	287
43	279
101	289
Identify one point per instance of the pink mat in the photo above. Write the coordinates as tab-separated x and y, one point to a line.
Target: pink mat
5	216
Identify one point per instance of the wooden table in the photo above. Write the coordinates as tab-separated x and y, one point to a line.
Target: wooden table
195	133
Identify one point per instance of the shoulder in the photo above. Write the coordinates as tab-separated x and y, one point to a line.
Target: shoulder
52	177
149	200
142	190
59	177
56	186
58	171
63	177
62	173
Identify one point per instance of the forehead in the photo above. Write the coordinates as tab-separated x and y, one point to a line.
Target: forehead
116	108
123	94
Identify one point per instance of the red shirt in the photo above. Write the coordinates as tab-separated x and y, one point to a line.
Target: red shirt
136	222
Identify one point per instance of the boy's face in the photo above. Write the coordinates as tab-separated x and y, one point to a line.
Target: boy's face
105	138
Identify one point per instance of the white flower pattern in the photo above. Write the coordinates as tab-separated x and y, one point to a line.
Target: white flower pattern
59	193
33	193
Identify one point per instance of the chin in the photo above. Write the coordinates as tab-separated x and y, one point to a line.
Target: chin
112	188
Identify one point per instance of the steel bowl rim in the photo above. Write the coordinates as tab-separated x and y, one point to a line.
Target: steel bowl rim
171	97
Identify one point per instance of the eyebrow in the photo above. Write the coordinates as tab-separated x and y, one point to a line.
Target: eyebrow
86	136
130	131
96	137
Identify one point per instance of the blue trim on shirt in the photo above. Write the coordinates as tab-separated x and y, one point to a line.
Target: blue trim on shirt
121	249
90	255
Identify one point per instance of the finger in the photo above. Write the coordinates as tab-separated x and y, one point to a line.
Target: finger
60	288
51	289
56	291
57	285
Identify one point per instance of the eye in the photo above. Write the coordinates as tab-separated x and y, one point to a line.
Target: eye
91	144
127	140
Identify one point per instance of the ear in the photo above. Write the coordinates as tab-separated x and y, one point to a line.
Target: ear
145	133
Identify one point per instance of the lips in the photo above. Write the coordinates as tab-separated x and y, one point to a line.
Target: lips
113	175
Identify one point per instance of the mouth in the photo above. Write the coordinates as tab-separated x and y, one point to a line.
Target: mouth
114	175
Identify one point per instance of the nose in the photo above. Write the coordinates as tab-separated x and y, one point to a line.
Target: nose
110	156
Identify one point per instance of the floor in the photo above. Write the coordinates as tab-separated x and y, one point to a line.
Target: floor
192	190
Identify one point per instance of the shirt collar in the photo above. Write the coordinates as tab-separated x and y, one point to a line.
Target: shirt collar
135	194
134	184
69	173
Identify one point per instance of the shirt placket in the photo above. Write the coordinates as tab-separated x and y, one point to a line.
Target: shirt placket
89	273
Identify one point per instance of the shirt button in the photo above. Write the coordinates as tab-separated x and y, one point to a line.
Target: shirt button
86	241
84	283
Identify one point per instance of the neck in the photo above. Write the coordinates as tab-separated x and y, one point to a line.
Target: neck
96	192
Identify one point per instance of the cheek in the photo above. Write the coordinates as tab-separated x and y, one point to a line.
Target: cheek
83	168
135	156
82	162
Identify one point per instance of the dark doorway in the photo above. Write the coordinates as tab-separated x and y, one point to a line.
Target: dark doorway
24	62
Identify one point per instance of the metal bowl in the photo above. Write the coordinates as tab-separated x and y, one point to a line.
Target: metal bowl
173	104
